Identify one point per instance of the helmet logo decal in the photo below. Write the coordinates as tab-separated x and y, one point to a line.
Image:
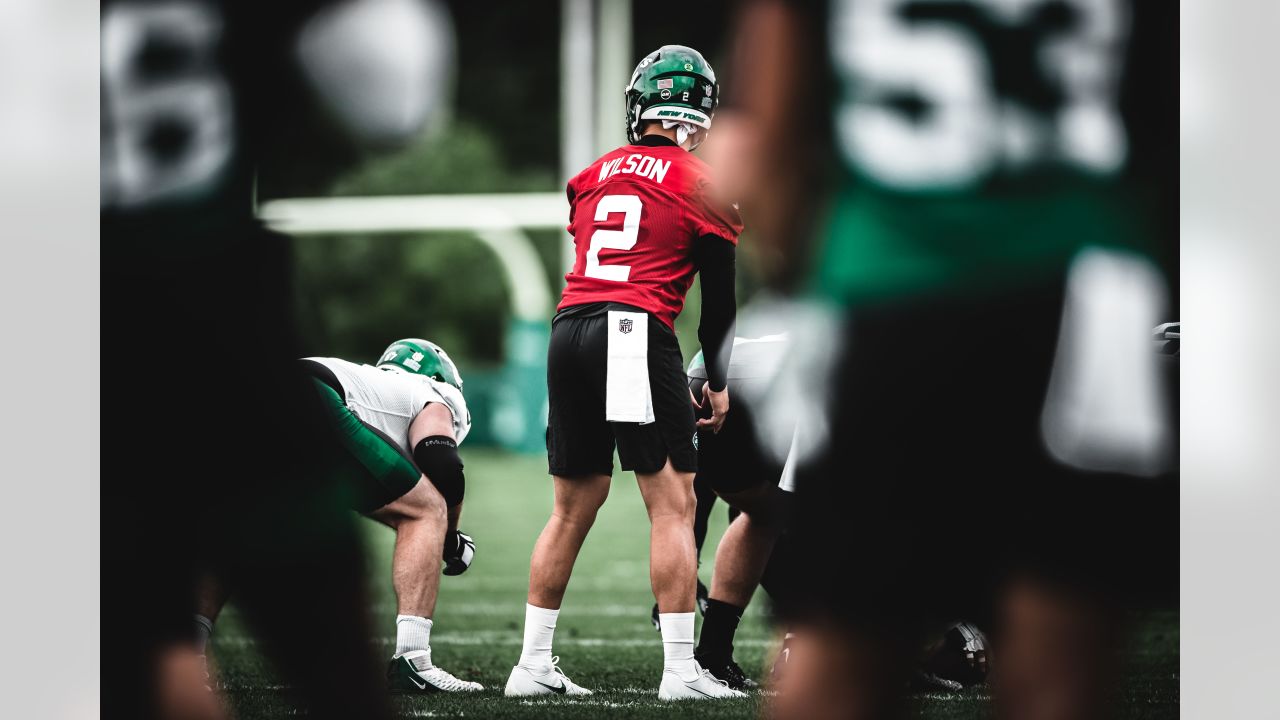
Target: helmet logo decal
707	89
688	67
665	94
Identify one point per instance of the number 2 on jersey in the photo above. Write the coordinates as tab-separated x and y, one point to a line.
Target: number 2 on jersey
623	239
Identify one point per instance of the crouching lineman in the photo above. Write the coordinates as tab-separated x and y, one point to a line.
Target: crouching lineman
759	486
395	433
644	224
744	474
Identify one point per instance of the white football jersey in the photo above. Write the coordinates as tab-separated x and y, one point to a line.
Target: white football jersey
389	399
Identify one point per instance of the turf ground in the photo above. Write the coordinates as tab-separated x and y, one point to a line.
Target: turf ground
604	637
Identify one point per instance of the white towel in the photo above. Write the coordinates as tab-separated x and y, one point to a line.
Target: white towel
627	394
1104	410
684	130
787	483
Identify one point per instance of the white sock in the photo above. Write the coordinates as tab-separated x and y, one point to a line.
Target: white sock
677	644
412	633
539	626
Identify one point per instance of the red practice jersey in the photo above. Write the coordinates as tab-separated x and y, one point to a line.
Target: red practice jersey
634	215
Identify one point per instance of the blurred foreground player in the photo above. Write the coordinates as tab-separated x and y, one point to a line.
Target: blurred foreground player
759	488
197	295
394	431
644	224
1001	169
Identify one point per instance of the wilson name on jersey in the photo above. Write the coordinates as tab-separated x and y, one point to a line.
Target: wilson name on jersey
634	215
390	399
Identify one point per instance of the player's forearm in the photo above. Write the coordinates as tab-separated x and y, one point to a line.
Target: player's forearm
454	513
717	270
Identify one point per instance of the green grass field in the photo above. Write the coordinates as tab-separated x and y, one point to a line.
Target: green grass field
604	637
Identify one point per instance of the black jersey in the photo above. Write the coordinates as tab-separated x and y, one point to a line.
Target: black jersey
193	93
983	143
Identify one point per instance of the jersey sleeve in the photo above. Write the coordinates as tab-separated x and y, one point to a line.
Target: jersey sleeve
457	405
712	216
430	390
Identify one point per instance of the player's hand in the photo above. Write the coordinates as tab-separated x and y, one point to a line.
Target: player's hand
719	407
459	551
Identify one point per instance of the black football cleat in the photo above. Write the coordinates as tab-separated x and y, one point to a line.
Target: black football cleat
728	672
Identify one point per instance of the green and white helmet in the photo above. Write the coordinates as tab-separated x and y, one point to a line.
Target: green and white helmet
673	82
421	357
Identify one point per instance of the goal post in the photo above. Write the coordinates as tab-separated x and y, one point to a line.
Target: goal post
509	406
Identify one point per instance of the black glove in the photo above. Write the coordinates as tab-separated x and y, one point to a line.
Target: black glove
459	551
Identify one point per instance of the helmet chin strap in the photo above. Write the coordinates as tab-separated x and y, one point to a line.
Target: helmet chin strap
684	131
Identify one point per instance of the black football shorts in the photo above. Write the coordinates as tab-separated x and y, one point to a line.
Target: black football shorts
733	460
580	441
936	483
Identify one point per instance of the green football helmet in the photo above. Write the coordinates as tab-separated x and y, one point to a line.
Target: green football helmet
421	357
673	82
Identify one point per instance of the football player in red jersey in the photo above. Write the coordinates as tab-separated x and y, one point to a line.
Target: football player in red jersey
644	223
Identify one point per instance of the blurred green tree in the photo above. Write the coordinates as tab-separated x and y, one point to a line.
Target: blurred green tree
359	292
463	158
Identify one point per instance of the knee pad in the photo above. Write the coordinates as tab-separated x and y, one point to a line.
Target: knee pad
437	458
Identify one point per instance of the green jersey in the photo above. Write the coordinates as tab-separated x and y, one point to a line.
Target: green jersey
981	143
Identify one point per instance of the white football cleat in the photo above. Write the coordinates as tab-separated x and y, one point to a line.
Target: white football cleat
413	672
704	686
525	682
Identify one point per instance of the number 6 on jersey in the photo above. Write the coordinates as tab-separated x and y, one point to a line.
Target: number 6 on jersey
623	239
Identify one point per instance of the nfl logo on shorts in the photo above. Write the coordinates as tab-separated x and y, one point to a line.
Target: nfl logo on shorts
624	326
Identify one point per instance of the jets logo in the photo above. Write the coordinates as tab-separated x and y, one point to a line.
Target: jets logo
624	326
